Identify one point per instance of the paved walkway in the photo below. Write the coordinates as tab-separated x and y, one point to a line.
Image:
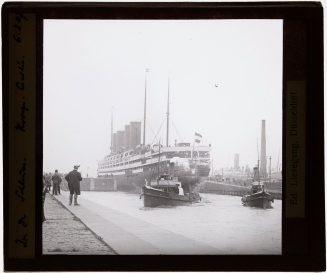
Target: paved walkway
64	233
129	235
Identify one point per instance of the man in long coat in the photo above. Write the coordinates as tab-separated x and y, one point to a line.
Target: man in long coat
74	178
56	180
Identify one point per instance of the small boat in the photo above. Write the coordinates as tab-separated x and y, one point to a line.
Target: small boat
258	197
167	191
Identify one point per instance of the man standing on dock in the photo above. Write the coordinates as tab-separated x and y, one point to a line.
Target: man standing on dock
44	192
73	178
47	178
56	180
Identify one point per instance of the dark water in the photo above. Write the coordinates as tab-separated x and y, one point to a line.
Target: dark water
219	221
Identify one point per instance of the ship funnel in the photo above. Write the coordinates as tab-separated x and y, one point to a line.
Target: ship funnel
255	174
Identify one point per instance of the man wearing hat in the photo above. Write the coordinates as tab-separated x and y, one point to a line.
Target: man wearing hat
73	178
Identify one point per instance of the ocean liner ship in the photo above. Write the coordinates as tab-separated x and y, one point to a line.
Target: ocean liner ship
131	162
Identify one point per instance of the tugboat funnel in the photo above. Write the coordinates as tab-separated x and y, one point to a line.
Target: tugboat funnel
255	174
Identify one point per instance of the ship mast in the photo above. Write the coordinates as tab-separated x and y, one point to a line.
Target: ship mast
270	169
144	120
167	137
158	164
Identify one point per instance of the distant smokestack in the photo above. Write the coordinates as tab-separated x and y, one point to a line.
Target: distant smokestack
127	137
114	142
263	158
134	134
236	161
120	140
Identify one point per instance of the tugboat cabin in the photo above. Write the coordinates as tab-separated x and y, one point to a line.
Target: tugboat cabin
257	187
167	183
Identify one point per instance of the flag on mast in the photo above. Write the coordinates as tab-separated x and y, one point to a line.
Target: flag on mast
198	137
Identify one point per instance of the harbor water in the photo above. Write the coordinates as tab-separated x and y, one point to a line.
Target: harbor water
219	221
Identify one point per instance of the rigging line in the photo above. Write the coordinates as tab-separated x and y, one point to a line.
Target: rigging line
177	131
155	137
151	129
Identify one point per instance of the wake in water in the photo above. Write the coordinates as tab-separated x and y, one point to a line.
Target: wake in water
220	221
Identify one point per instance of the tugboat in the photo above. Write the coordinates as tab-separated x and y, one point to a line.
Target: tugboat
167	191
258	197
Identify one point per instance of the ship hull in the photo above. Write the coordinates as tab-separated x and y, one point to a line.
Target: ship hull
154	198
133	182
259	200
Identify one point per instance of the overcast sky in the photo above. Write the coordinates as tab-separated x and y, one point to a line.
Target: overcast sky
225	77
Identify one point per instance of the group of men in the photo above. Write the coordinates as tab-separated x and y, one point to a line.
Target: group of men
73	179
56	181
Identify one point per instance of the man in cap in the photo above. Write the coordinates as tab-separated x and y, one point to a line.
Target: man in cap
73	178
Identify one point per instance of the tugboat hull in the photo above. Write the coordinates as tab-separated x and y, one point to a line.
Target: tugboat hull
260	200
155	197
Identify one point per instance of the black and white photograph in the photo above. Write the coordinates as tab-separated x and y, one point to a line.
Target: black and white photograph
162	137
